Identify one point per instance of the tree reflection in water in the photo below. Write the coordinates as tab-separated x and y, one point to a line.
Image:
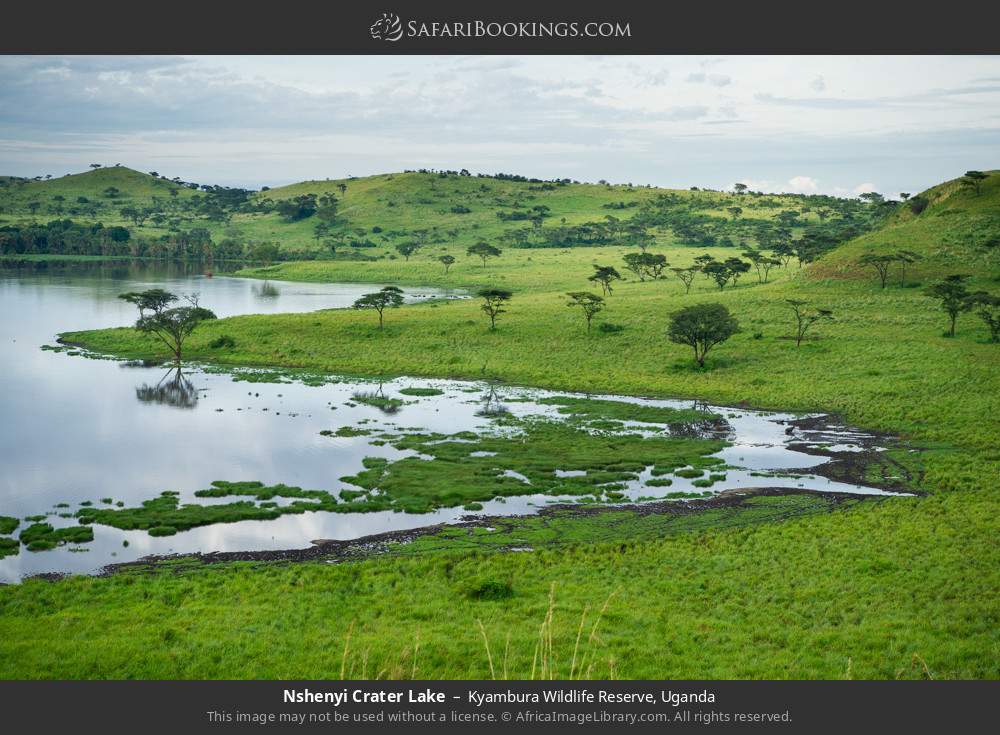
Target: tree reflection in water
266	291
174	389
491	405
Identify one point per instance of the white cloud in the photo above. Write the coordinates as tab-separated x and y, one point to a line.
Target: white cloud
803	185
619	118
864	188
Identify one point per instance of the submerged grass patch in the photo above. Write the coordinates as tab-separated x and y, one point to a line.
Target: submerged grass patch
421	391
609	410
534	459
42	536
379	401
8	524
9	547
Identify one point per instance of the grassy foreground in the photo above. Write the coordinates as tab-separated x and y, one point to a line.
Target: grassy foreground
906	587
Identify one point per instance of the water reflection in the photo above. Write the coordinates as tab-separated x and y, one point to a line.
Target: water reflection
491	405
266	290
173	389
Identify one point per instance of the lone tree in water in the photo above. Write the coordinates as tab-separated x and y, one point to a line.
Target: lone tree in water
805	317
954	297
604	275
590	303
494	300
171	326
484	250
389	297
880	263
701	327
447	261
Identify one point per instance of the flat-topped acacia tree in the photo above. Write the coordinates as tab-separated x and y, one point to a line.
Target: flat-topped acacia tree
805	317
170	326
604	275
484	251
686	276
880	262
447	261
701	327
494	300
589	303
390	297
987	307
954	297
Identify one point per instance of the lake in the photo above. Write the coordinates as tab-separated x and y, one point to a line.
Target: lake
78	430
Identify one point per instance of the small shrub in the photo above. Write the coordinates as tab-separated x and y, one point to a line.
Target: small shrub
221	341
609	328
491	589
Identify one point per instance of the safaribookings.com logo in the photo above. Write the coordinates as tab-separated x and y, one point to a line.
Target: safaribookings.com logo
390	28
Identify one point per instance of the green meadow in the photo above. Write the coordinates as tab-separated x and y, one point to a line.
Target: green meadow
784	586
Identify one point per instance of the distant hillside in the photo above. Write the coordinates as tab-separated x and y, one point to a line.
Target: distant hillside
362	218
948	226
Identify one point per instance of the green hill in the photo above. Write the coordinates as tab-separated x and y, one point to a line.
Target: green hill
133	187
958	229
368	217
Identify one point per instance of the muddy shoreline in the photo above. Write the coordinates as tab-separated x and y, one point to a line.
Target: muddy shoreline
365	547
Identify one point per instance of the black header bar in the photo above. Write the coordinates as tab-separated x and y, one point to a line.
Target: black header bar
510	27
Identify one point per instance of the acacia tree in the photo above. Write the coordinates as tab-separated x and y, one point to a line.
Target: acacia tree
686	276
389	297
805	317
494	300
974	180
987	308
153	299
170	326
448	261
736	268
718	272
880	263
589	303
784	252
484	250
953	295
762	262
652	264
604	275
701	327
406	249
905	258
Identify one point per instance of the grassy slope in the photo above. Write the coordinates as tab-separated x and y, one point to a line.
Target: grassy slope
394	202
869	591
136	188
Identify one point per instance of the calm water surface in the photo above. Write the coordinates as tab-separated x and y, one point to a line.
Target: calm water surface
77	429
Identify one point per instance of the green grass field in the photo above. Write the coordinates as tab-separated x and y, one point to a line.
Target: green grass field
785	587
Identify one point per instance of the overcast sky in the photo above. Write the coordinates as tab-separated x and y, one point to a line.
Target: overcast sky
838	125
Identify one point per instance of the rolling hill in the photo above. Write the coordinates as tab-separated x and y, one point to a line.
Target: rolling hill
375	213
